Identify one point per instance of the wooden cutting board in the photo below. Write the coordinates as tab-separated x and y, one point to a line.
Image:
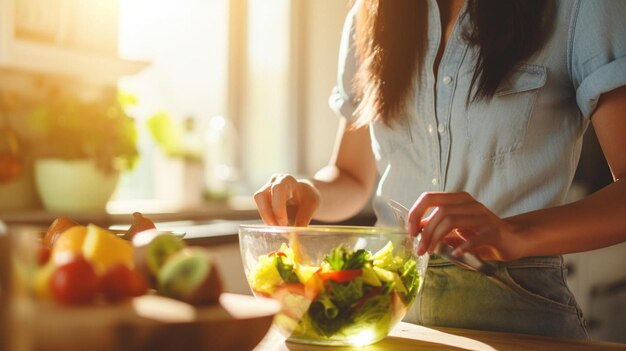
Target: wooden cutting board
152	322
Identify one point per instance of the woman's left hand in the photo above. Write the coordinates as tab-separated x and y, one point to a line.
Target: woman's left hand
461	221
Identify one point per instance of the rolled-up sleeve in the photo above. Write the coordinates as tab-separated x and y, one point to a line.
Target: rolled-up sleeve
597	51
342	99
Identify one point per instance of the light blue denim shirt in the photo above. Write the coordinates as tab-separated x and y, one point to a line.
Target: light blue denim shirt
516	153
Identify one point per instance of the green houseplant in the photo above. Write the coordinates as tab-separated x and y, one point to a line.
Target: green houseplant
80	147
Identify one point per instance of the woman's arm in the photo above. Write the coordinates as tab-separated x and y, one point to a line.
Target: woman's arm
337	192
347	182
596	221
599	219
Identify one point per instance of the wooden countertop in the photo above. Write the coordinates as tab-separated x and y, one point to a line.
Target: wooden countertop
207	224
406	336
240	207
120	212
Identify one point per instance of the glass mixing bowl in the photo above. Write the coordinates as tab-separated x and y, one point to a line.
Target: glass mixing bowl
337	285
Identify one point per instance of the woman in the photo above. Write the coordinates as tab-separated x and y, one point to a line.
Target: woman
475	113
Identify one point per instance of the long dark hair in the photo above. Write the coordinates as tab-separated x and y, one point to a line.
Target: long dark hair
504	31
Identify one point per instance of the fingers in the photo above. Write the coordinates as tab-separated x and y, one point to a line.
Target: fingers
428	201
271	199
469	223
284	198
469	218
454	238
501	245
482	246
282	192
263	200
449	208
469	245
305	213
264	206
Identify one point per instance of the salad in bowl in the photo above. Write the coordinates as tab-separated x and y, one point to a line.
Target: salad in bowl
337	285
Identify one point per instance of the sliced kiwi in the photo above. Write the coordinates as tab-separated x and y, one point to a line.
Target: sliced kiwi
190	276
160	249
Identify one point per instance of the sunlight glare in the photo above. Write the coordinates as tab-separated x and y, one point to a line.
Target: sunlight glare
363	338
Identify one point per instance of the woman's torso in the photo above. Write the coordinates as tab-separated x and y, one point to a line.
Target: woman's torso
519	151
516	153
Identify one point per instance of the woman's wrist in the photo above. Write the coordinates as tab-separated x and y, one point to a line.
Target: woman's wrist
522	239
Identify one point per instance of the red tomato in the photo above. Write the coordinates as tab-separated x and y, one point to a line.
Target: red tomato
341	276
313	286
120	282
74	282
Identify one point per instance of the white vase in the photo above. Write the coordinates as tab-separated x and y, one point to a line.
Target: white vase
178	181
73	185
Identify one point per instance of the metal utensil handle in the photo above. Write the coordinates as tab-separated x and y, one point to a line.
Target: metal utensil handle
400	212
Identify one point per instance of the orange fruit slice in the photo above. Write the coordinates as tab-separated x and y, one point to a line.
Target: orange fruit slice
105	249
68	244
41	280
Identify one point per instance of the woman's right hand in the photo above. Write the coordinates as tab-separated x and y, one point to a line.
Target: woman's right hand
282	195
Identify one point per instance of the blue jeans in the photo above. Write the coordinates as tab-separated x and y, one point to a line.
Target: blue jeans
460	298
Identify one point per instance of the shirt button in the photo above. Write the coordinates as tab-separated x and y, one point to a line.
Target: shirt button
430	129
447	80
435	181
441	129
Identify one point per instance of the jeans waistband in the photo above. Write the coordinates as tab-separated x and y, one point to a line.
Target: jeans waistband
532	261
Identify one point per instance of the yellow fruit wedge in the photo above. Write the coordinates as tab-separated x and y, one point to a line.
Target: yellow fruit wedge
41	280
69	243
104	249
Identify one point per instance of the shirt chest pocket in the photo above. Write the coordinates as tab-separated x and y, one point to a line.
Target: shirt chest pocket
498	127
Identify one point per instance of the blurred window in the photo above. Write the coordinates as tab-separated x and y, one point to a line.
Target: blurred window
226	58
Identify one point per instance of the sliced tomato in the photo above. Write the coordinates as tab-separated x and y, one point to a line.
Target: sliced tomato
277	253
290	288
341	276
313	286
